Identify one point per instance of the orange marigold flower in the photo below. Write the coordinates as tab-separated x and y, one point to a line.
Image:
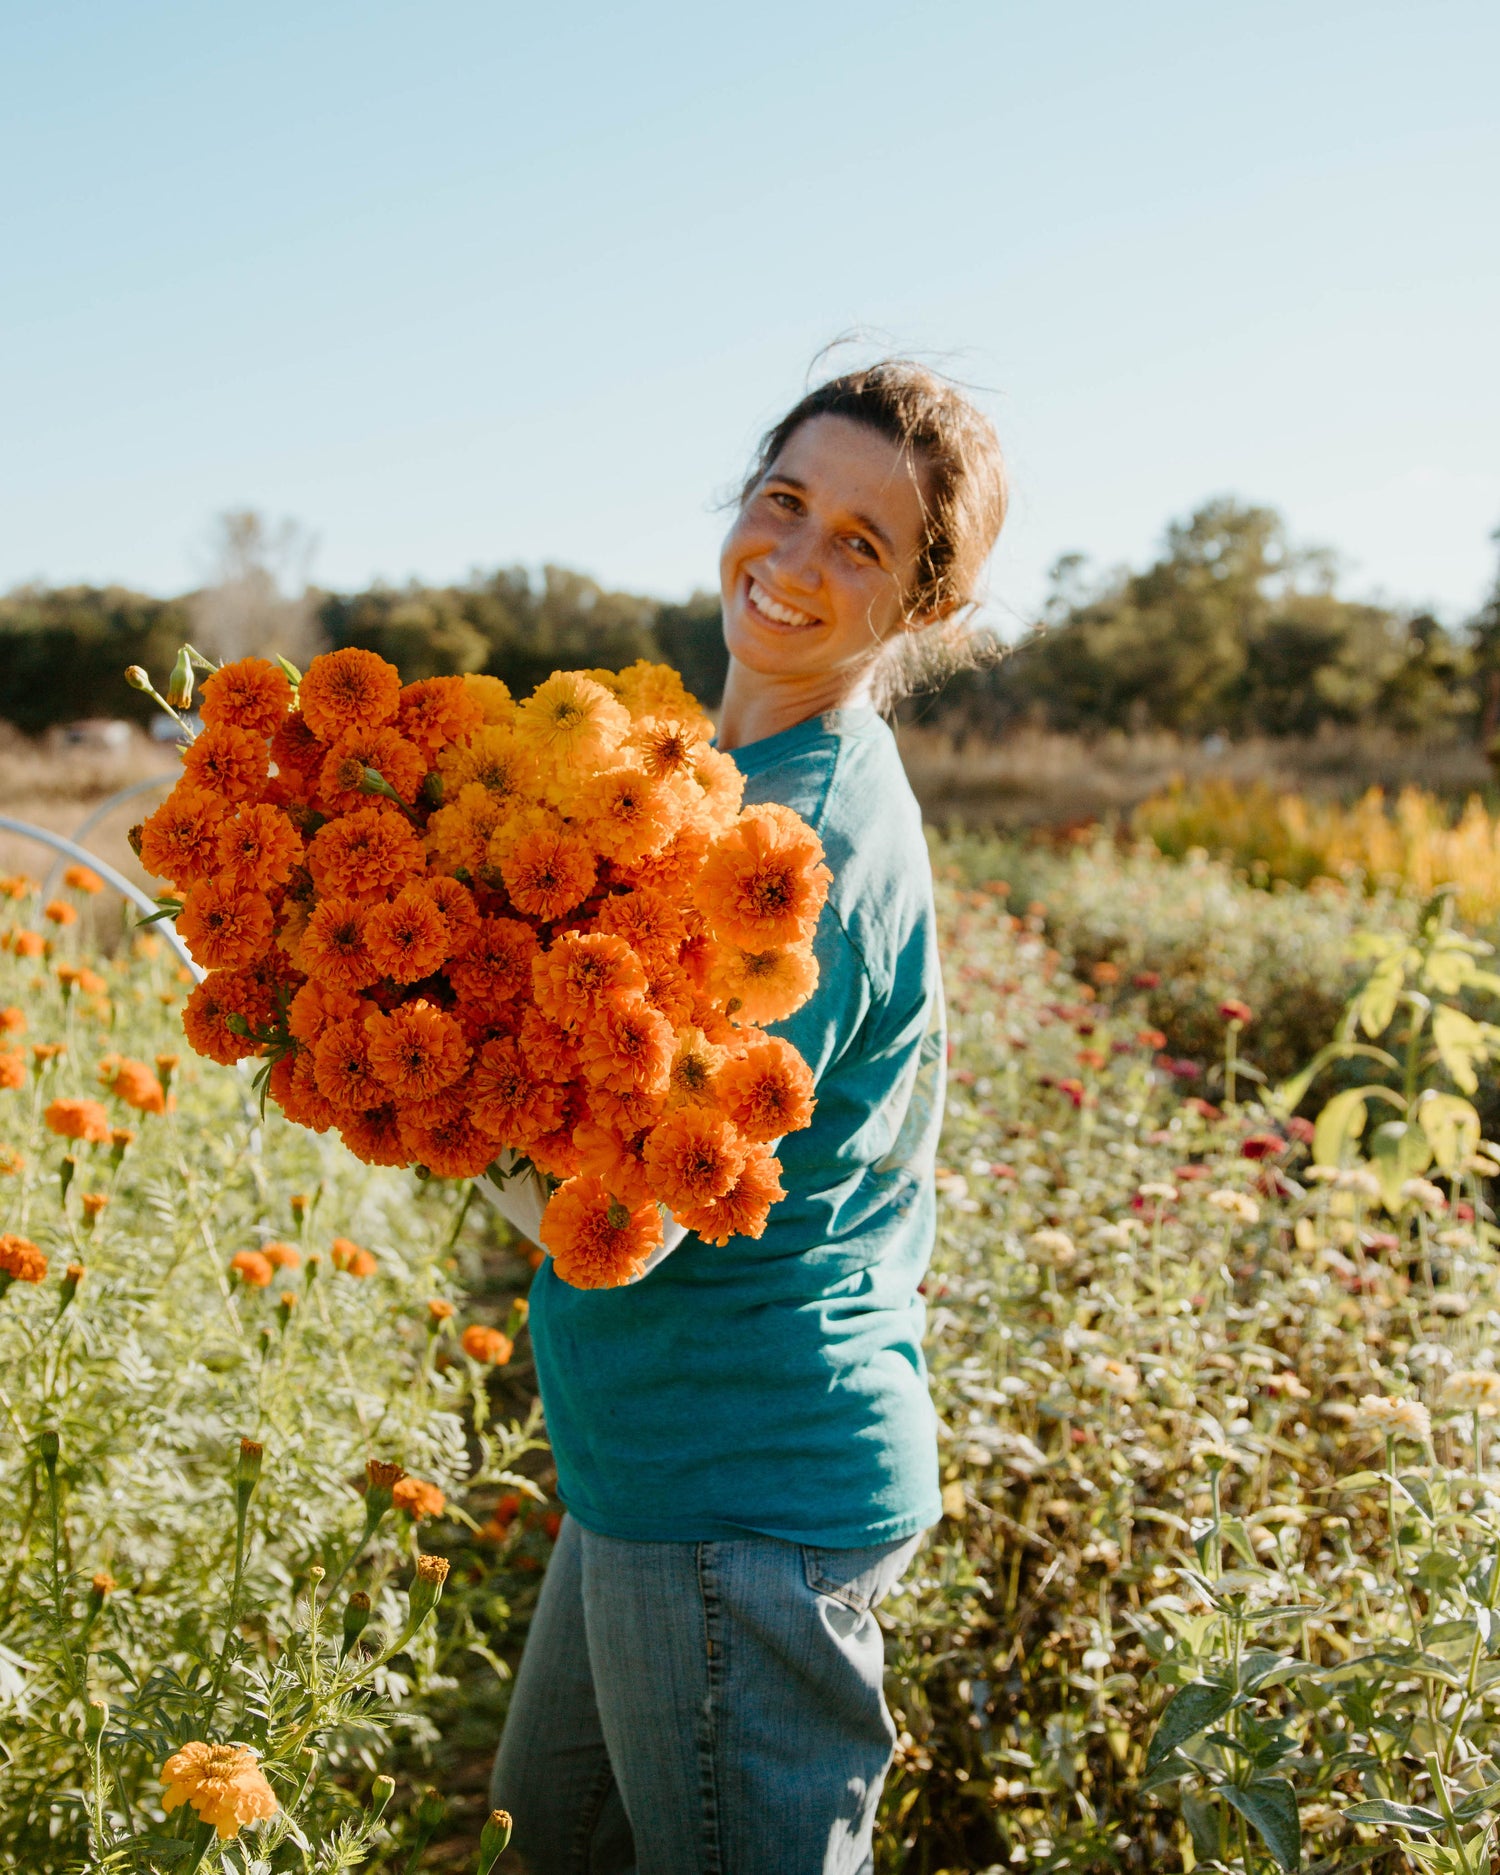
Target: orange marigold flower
282	1256
693	1155
627	814
614	1156
549	1048
83	879
768	1090
547	868
252	1268
763	986
459	834
557	1155
17	885
491	758
496	967
507	1097
342	1069
334	946
351	1257
12	1163
627	1047
460	915
491	695
571	722
135	1084
12	1068
93	1203
27	943
375	1137
21	1261
12	1020
696	1062
223	1783
417	1498
408	938
365	854
487	1345
669	990
743	1209
670	745
180	841
582	973
437	711
258	848
297	752
316	1005
763	883
393	758
348	689
224	927
294	1088
251	693
59	911
206	1018
676	866
227	762
92	984
439	1309
650	921
43	1052
648	689
416	1051
78	1119
718	787
451	1147
596	1241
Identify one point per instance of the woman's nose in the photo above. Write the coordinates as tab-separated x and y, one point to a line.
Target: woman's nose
795	563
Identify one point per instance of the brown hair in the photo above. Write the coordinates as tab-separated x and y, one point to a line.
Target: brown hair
964	502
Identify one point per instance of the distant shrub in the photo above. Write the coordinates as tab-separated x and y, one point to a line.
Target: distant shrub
63	653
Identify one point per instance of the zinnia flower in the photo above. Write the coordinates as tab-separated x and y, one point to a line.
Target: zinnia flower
1396	1419
78	1119
21	1261
334	946
582	974
258	848
487	1345
571	722
692	1156
393	758
365	854
763	883
224	1784
437	711
417	1498
416	1051
348	689
768	1090
627	1047
180	841
496	966
547	869
227	762
252	1268
1236	1204
763	986
251	693
744	1208
408	938
225	927
1236	1012
1473	1391
596	1241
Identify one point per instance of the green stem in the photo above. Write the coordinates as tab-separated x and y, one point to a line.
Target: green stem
241	1512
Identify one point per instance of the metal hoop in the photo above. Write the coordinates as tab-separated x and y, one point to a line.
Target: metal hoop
101	812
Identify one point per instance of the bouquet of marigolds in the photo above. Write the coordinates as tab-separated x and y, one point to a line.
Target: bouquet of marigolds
475	933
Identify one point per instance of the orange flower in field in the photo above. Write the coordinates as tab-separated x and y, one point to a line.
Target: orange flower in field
416	1051
252	1268
135	1084
180	841
348	689
693	1155
27	943
457	909
78	1119
364	854
614	1157
92	984
316	1005
334	948
258	848
12	1163
743	1209
650	921
59	911
487	1345
21	1261
670	745
83	879
763	986
582	973
12	1068
627	1047
491	695
393	758
572	723
417	1498
437	711
496	967
375	1137
224	927
12	1020
349	1256
768	1090
342	1070
451	1147
507	1097
763	883
251	693
596	1241
228	762
224	1784
408	938
547	869
627	814
282	1256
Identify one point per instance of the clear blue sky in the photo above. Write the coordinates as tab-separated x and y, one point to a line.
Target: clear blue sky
464	284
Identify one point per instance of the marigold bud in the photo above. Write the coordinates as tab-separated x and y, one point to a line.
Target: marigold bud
382	1477
65	1173
427	1590
180	683
494	1838
356	1619
381	1792
73	1275
137	678
438	1312
48	1445
247	1472
431	1810
95	1718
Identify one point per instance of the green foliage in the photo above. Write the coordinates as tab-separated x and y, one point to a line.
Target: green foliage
62	652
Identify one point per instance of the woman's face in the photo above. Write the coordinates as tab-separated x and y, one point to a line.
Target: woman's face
815	567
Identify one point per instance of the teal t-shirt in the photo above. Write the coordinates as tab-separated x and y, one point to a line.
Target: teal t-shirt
777	1385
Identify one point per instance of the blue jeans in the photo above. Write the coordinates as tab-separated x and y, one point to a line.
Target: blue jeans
700	1709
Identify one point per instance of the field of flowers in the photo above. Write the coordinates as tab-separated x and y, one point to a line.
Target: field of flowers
1218	1577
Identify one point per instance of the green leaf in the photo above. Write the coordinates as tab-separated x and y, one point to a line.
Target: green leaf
1270	1804
1289	1095
1360	1481
1343	1119
1403	1815
1477	1802
1461	1042
1188	1712
1398	1152
1452	1128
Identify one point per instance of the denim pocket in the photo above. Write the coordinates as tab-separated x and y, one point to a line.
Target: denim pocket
859	1578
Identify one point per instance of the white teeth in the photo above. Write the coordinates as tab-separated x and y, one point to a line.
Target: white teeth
781	614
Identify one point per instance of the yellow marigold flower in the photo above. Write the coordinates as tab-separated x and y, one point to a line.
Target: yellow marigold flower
648	689
491	758
571	722
1395	1419
223	1783
493	698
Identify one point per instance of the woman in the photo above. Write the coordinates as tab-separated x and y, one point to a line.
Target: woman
744	1439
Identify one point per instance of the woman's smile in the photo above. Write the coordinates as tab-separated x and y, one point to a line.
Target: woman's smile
773	611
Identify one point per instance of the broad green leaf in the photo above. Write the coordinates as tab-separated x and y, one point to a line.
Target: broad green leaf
1451	1126
1360	1481
1477	1802
1377	1000
1343	1119
1448	969
1270	1804
1461	1043
1403	1815
1286	1098
1188	1712
1398	1152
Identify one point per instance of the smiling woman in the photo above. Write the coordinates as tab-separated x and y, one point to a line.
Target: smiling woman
744	1438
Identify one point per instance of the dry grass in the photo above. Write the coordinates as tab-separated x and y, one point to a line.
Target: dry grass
56	787
1034	778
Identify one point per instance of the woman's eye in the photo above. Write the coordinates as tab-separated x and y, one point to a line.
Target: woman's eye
863	547
784	500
